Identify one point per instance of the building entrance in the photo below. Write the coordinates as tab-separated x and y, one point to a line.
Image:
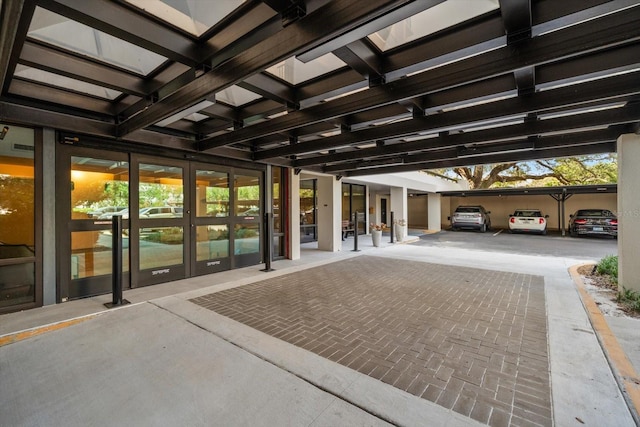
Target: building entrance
180	219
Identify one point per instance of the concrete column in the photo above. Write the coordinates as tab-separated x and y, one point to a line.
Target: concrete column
434	210
294	215
399	205
329	214
628	212
48	217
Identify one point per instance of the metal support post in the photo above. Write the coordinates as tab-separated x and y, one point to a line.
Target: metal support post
116	262
355	233
268	242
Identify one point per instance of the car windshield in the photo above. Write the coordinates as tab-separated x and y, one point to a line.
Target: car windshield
528	213
467	209
594	212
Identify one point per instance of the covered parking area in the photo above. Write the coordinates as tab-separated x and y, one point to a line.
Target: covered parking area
503	201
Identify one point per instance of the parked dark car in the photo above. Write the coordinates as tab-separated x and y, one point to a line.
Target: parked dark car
473	217
593	221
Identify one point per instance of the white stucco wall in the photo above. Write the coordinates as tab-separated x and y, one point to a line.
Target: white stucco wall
628	212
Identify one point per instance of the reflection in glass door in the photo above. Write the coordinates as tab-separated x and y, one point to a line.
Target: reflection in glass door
211	222
247	210
159	222
17	220
97	188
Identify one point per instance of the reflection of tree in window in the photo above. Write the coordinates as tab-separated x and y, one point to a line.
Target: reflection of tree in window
16	210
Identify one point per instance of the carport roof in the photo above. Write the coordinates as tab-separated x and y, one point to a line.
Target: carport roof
344	87
551	191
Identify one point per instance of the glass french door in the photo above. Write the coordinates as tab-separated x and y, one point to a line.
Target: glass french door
160	220
94	187
226	224
211	219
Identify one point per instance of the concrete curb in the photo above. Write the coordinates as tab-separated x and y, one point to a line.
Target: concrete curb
624	372
39	330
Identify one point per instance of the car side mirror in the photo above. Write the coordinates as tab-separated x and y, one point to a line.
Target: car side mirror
571	216
546	216
448	218
488	212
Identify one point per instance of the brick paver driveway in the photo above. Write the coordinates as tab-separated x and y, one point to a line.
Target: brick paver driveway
468	339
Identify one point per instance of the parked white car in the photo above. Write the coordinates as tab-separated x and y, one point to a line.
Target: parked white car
528	221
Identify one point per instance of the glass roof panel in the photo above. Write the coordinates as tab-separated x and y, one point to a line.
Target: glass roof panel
46	77
57	30
192	16
196	117
236	96
436	18
295	72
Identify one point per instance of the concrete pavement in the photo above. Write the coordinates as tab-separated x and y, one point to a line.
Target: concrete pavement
168	361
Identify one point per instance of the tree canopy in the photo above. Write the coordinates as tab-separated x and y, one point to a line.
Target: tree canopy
584	170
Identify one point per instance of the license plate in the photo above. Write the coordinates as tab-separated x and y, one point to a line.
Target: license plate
598	229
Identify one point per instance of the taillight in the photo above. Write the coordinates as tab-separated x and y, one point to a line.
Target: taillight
614	222
512	220
580	221
541	221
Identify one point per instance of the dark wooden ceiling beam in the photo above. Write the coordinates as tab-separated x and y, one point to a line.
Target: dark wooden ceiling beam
625	85
315	29
626	115
64	98
528	144
82	69
349	35
535	154
609	31
269	87
363	57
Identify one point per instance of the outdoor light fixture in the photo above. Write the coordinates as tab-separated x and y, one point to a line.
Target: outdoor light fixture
4	132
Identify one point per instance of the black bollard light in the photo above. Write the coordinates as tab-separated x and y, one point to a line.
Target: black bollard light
116	263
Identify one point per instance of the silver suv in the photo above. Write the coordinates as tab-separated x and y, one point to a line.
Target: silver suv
474	217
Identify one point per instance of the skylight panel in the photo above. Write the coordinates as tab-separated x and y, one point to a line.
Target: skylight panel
192	16
73	36
295	71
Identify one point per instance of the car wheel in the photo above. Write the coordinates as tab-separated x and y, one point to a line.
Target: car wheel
544	232
484	228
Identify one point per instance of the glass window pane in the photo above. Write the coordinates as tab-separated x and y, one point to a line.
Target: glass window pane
294	71
91	253
160	192
60	31
17	284
212	241
278	225
99	188
17	190
247	195
212	193
195	17
247	239
17	216
160	247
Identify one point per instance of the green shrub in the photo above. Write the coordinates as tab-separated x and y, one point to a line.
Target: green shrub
608	265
